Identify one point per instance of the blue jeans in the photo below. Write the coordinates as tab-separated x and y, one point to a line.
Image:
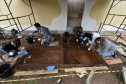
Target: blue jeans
108	54
3	51
46	40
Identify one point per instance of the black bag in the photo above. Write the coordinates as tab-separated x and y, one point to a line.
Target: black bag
5	70
29	39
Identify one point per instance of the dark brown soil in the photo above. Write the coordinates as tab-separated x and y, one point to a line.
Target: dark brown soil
67	52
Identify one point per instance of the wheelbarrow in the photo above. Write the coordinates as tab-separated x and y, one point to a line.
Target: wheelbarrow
5	69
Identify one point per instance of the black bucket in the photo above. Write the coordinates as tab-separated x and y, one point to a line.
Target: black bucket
5	70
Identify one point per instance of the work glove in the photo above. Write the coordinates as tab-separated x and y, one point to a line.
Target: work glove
19	53
76	40
39	39
89	49
30	33
33	40
87	44
85	38
11	53
81	37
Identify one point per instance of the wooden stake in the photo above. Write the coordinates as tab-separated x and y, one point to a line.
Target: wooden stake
36	72
90	75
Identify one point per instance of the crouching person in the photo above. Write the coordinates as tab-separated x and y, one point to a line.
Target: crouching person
78	31
45	33
105	47
10	48
91	37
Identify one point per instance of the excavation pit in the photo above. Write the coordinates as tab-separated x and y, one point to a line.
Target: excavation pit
67	52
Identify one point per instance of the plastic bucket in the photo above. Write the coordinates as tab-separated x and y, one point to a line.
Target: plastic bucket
5	70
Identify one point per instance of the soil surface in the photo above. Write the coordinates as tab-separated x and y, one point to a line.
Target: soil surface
67	52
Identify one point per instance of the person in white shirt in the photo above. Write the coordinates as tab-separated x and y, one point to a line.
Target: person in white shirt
91	37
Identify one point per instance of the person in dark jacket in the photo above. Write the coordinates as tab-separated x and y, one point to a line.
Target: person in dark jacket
45	33
105	47
10	48
78	31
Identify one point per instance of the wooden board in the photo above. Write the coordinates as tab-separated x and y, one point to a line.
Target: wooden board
9	59
54	43
19	36
124	74
81	70
24	73
86	68
110	60
113	61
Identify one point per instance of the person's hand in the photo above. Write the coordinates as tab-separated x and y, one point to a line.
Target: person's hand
39	39
30	33
89	49
34	40
19	53
76	40
87	44
11	53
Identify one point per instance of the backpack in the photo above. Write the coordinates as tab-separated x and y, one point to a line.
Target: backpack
29	39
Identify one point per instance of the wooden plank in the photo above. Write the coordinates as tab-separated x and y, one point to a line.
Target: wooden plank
124	74
9	59
87	68
113	61
110	60
81	70
24	73
90	75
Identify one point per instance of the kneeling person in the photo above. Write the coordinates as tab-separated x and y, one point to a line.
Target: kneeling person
10	48
105	47
45	32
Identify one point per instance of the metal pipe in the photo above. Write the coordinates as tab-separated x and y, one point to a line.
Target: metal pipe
111	19
3	60
117	15
32	11
99	27
9	20
26	28
116	4
118	37
107	16
30	20
19	23
7	27
124	27
120	25
12	16
10	3
25	3
16	17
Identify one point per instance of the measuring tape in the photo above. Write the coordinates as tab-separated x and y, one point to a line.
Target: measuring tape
71	74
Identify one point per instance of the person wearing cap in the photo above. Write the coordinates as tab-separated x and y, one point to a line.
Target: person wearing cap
46	35
105	47
10	48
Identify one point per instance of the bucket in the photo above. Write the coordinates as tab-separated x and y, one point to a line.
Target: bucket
5	70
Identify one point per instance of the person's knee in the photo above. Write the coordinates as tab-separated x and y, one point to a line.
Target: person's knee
43	42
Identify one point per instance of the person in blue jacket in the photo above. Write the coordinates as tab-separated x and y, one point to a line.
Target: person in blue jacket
10	48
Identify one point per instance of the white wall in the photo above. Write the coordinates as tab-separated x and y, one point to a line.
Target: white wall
59	23
88	24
